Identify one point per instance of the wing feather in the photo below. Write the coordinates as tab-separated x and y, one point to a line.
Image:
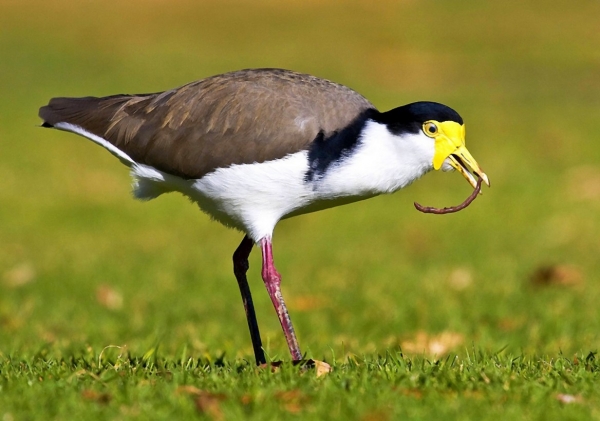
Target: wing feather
235	118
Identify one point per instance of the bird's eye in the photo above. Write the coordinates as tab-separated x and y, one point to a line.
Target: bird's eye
430	128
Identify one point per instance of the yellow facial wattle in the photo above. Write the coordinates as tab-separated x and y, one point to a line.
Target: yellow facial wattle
449	139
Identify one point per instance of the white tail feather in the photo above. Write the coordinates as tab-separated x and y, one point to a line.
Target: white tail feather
123	157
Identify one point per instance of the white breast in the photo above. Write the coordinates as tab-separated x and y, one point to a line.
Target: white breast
383	163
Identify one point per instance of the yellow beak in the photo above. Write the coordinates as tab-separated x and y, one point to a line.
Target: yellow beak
450	144
463	161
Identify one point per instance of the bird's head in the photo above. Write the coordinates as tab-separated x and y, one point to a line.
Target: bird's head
440	137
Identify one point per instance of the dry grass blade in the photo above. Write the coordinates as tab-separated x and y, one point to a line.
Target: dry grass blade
19	276
434	345
209	403
322	368
109	298
292	401
568	399
94	396
563	275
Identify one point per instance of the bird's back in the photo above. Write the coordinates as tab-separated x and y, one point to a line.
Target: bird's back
234	118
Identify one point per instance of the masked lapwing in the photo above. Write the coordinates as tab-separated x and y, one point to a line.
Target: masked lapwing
253	147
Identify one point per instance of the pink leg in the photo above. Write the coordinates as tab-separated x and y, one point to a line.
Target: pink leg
272	281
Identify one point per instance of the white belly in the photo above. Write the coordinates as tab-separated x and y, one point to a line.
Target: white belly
249	197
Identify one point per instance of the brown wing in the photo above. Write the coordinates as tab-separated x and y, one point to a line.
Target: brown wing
235	118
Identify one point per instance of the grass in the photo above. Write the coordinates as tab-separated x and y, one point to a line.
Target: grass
116	309
388	386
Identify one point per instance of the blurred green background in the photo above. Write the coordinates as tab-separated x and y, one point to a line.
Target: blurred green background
82	264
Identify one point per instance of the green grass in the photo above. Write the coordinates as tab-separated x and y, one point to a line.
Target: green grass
389	386
116	309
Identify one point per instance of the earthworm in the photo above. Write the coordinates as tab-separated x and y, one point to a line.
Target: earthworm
451	209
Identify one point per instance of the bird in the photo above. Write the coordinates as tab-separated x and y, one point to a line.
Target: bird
256	146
